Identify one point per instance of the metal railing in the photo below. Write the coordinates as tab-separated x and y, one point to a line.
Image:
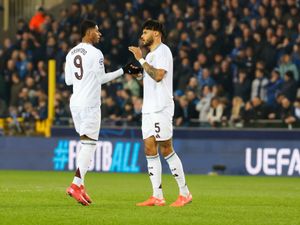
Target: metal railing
16	9
13	10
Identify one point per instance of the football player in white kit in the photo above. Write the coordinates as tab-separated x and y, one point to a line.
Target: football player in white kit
157	113
84	69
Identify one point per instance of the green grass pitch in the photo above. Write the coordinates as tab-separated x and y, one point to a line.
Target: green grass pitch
38	198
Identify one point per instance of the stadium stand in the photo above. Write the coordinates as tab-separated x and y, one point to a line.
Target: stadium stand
236	63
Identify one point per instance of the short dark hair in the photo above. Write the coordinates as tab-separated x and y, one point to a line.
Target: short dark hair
290	74
154	25
85	26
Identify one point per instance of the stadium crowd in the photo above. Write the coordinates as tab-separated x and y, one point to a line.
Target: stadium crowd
235	61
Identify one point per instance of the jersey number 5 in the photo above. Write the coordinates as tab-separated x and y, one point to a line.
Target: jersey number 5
78	64
157	127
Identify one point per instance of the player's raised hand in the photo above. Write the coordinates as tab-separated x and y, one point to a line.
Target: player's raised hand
136	51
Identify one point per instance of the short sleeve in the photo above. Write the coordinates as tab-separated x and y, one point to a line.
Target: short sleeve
68	72
163	61
98	66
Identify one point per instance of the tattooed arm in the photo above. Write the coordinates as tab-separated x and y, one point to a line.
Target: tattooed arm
155	74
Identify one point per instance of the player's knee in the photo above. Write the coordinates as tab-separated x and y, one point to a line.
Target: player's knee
150	146
150	149
165	151
166	148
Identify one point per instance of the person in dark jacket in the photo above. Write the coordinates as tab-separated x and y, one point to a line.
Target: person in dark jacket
243	86
289	86
254	110
273	87
287	112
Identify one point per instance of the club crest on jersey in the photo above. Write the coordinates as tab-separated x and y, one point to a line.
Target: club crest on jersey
101	62
151	58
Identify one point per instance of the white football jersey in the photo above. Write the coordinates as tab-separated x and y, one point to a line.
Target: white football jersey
84	70
158	95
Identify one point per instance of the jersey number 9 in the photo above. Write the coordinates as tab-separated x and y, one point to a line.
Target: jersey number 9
78	64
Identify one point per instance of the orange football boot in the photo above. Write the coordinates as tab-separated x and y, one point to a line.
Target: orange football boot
152	201
182	201
85	195
75	192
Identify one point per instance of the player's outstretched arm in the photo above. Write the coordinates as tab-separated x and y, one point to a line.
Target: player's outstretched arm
128	68
106	77
155	74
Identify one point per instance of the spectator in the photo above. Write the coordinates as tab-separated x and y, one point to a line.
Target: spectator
206	79
225	78
37	20
273	87
286	65
137	111
51	48
296	55
210	48
14	127
192	102
127	113
42	110
110	111
236	111
243	86
215	112
250	62
259	85
16	87
132	85
184	72
289	86
269	51
123	97
255	109
203	105
193	84
297	110
22	65
41	76
287	112
181	114
238	44
274	110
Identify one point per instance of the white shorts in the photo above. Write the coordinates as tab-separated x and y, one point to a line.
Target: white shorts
158	124
87	121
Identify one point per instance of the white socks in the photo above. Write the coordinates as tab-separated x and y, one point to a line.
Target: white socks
154	170
84	158
177	171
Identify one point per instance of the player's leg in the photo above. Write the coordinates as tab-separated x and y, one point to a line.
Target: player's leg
77	190
74	189
89	131
153	163
154	171
154	166
176	168
164	137
87	152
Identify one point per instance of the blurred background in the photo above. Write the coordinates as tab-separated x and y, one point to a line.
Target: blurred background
236	65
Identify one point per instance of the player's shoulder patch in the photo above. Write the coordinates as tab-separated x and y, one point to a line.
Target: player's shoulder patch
101	61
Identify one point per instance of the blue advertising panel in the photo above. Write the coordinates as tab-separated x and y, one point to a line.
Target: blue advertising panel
239	157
